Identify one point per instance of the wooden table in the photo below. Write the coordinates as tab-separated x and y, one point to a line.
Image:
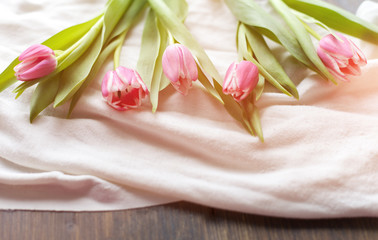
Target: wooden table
180	220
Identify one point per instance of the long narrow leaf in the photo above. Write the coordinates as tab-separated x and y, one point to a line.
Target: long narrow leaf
69	36
183	36
267	60
95	69
149	50
179	7
158	71
233	108
250	13
204	80
303	37
59	41
114	41
128	18
256	123
7	77
43	96
337	18
74	76
79	48
244	50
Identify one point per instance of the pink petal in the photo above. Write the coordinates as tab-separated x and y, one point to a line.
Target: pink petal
106	83
331	44
180	67
351	69
189	64
230	75
328	61
247	75
35	51
35	68
125	74
359	56
241	78
172	63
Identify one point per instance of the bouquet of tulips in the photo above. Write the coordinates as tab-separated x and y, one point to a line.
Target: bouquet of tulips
65	64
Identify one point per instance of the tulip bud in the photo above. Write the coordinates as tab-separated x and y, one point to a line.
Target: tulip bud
180	67
123	89
37	61
241	78
341	56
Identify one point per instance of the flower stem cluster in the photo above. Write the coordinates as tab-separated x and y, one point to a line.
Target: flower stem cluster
65	64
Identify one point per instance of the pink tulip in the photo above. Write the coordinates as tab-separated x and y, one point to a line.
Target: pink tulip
241	78
341	56
37	61
123	89
180	67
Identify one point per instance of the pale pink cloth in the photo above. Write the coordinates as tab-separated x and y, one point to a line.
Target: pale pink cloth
319	158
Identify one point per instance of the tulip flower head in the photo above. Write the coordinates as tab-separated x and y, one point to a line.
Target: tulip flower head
37	61
123	89
180	67
341	56
241	78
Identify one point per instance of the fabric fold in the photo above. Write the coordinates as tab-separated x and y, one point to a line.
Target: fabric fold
318	159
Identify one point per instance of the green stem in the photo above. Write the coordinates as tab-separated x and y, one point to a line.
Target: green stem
117	52
86	38
268	76
311	31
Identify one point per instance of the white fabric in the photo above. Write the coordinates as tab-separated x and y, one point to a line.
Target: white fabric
319	158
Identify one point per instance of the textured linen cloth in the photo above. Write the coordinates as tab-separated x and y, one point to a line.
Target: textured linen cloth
319	158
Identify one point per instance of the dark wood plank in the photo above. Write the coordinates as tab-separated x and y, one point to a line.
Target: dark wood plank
177	221
180	220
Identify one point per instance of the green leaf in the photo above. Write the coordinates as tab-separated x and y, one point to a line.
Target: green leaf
246	53
114	41
74	76
251	116
7	77
256	123
25	85
149	50
43	96
164	82
62	40
59	41
265	57
158	74
250	13
259	89
128	19
183	36
303	38
179	7
76	50
204	80
233	108
337	18
113	14
93	74
307	19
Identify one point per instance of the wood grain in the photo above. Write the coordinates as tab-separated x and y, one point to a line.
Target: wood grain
177	221
180	220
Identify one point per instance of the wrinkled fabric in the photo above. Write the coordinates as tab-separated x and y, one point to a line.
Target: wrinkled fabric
319	158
